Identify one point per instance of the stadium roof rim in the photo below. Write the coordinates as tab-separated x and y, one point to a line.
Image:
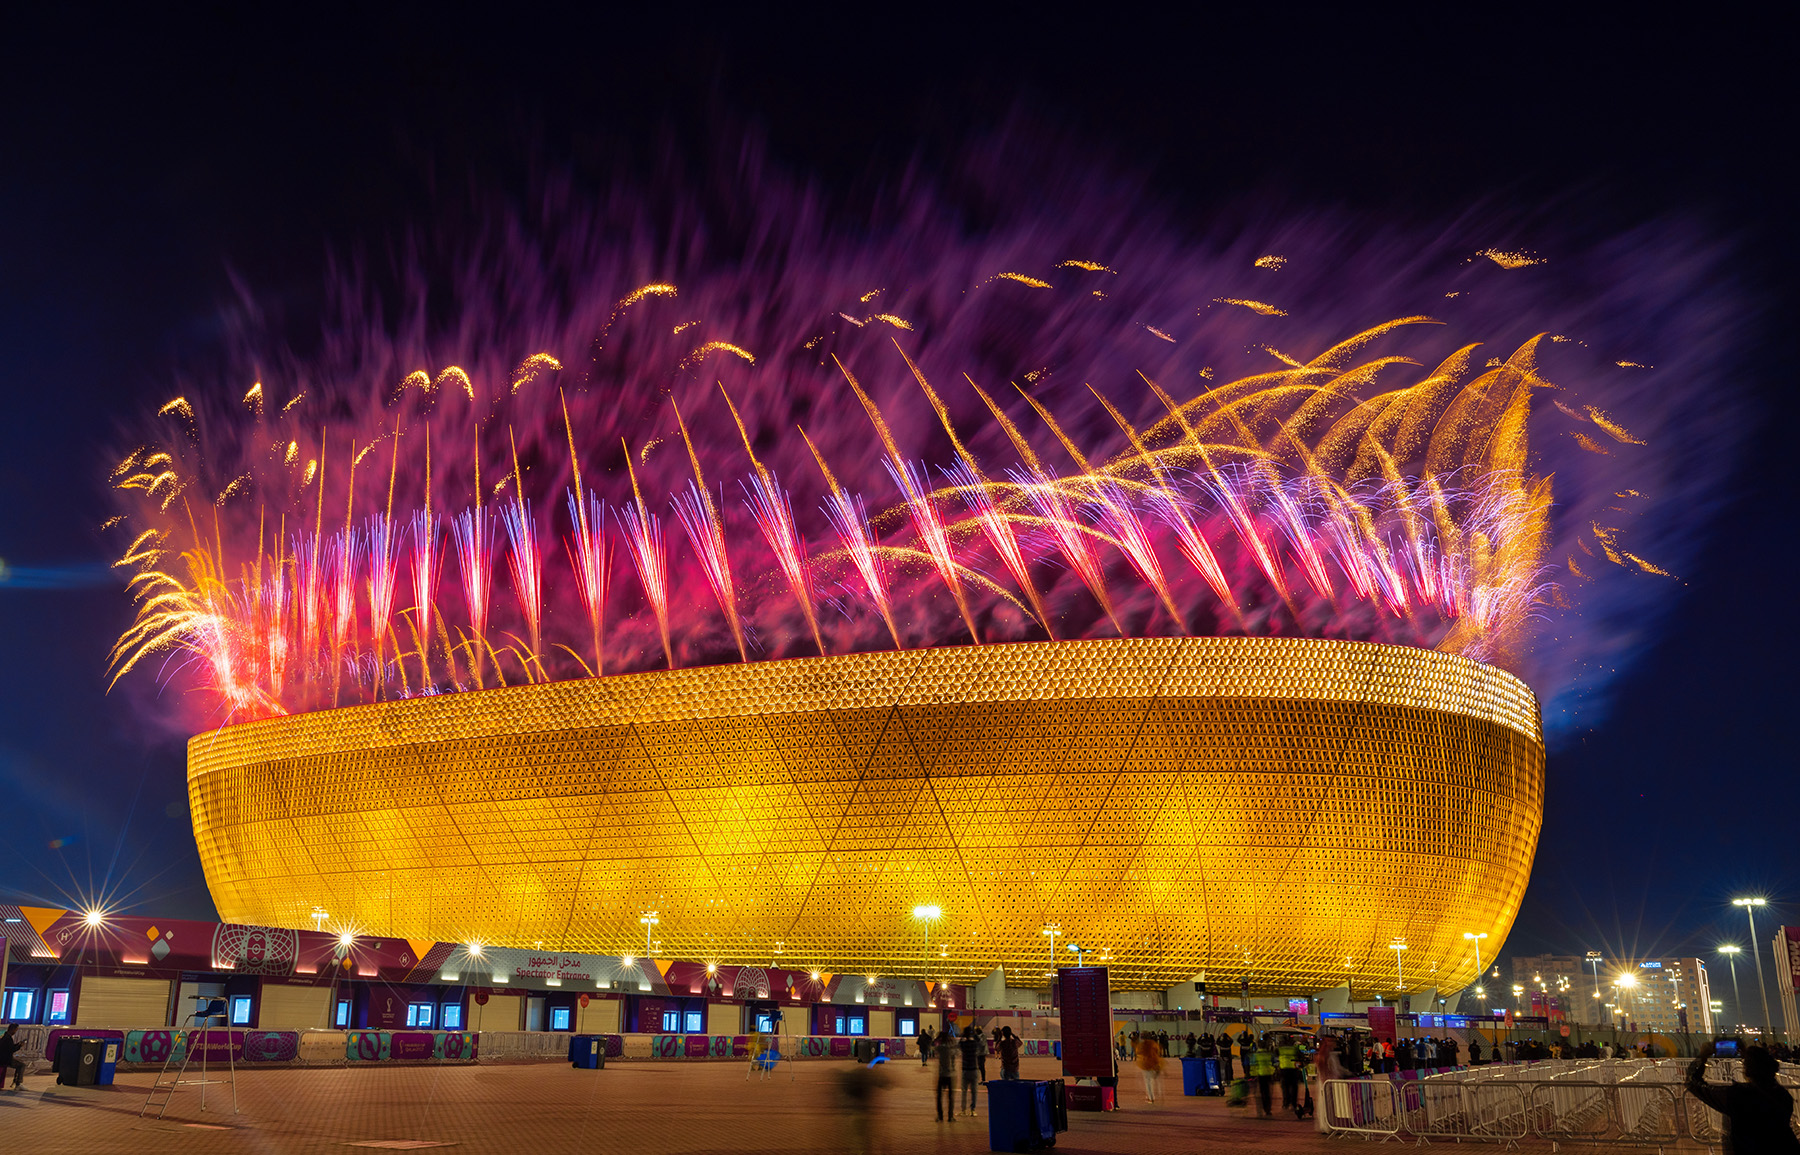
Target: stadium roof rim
1311	669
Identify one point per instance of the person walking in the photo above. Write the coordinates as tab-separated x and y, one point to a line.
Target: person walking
1287	1060
1758	1112
1149	1061
9	1056
974	1050
946	1081
1327	1068
1262	1068
925	1047
1009	1055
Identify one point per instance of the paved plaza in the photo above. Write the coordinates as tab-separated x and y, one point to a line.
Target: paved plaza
549	1109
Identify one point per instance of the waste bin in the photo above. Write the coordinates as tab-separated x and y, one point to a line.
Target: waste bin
78	1061
1020	1114
1056	1048
1200	1077
109	1063
587	1052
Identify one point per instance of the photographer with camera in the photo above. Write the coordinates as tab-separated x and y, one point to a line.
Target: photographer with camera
1758	1112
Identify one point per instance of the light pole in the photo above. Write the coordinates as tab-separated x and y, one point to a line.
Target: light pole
1731	951
1750	905
1476	939
1593	958
649	920
928	915
1051	930
1398	946
1076	947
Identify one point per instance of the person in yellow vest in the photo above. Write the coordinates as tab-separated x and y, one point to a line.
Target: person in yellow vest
1262	1069
1287	1062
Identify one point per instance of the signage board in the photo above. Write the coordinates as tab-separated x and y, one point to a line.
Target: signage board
1087	1046
1381	1023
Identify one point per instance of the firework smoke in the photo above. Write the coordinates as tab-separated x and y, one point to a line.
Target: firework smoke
1378	436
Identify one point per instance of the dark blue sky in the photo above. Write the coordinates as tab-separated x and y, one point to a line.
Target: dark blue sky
141	166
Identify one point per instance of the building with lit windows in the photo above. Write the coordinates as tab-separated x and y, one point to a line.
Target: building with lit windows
1270	815
1645	995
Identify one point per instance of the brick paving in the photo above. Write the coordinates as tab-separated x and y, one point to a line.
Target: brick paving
551	1109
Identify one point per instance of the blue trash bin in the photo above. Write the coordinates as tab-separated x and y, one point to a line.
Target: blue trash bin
1021	1116
1056	1048
1211	1081
109	1062
1193	1076
587	1052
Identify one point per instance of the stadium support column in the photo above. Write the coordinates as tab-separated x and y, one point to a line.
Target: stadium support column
990	993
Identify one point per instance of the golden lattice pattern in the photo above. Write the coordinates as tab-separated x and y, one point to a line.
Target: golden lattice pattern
1281	808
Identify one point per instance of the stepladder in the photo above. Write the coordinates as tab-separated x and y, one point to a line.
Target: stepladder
186	1043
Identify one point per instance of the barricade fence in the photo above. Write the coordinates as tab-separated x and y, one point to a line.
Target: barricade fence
1625	1102
155	1046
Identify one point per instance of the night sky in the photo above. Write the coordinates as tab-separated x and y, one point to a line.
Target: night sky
145	166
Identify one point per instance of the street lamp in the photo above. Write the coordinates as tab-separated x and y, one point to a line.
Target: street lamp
1476	938
1626	983
1731	951
650	921
1398	946
928	915
1750	905
1593	958
1051	930
1076	947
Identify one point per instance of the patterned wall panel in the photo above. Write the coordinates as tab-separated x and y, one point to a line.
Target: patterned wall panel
1265	808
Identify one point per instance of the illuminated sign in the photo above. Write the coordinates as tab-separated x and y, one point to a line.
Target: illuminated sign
1652	965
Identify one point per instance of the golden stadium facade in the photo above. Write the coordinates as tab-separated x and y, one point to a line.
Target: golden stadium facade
1273	809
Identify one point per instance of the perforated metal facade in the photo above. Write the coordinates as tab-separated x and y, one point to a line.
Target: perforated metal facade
1281	809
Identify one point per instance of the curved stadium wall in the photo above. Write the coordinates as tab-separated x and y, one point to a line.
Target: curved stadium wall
1272	809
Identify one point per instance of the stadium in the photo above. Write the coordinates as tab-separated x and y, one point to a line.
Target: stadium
1268	814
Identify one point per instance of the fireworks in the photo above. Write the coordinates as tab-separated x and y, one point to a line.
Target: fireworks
1344	492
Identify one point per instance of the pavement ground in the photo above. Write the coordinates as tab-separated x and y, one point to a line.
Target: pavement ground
645	1108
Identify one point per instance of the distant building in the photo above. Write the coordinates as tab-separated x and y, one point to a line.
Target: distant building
1646	994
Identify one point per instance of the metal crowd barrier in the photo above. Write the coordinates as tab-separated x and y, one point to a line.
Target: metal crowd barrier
1626	1102
1363	1107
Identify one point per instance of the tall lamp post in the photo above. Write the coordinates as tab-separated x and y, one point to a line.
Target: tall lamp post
1731	951
1398	946
1626	983
1750	905
649	920
1476	939
1051	930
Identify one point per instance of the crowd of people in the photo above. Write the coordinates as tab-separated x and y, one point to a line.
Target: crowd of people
966	1052
1253	1069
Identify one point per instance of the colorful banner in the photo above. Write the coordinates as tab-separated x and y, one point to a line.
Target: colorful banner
409	1046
